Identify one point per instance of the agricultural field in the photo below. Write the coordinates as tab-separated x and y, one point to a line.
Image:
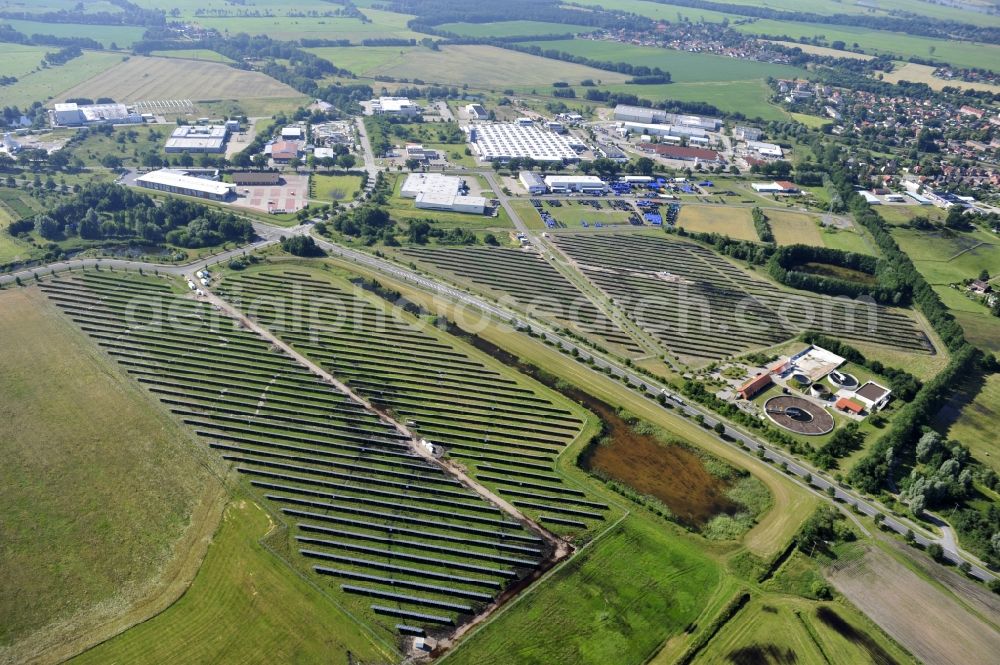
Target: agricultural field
19	60
193	54
594	610
706	308
794	630
489	67
42	6
877	42
245	605
525	281
749	97
367	59
512	29
914	73
143	78
122	36
730	221
970	416
123	522
383	25
328	188
45	84
359	504
684	67
823	50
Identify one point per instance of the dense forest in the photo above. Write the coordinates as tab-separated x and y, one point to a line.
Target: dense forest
112	212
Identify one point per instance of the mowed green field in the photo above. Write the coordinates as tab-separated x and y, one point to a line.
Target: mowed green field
594	610
122	36
684	67
44	84
334	187
245	606
959	54
97	486
512	29
194	54
749	97
971	417
364	59
18	59
142	78
383	25
41	6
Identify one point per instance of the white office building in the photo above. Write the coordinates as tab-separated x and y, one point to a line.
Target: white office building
504	141
575	183
435	191
394	106
179	182
198	138
533	182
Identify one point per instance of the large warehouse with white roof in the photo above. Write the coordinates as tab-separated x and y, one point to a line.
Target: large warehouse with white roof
179	182
506	140
435	191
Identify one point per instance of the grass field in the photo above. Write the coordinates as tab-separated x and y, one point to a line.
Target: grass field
41	6
971	417
595	610
914	73
245	606
364	59
824	50
18	60
194	54
791	228
684	67
849	241
512	29
142	78
789	630
959	54
749	97
334	187
122	36
383	25
733	222
44	84
97	487
945	257
489	67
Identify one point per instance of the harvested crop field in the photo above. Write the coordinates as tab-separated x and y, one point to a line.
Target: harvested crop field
914	73
934	626
732	222
141	78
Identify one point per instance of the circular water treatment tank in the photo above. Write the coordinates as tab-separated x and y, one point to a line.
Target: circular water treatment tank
842	380
800	379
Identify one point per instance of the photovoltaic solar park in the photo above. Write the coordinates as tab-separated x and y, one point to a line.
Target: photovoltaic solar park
700	307
395	537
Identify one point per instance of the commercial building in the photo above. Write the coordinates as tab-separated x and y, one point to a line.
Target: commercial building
575	183
198	138
504	141
477	112
663	130
179	182
870	198
292	133
394	106
628	113
75	115
254	178
684	153
419	152
744	133
532	182
872	395
765	149
435	191
283	152
777	187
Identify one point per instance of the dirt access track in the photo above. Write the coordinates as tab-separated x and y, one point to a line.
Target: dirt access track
934	627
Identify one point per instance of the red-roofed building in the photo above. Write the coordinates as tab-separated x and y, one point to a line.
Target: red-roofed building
284	151
787	187
754	386
845	404
684	153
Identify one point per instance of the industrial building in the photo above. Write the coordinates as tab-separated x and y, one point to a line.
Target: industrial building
75	115
419	152
575	183
255	178
532	182
765	149
776	187
684	153
292	133
198	138
663	130
435	191
394	106
504	141
477	112
283	152
870	198
179	182
627	113
744	133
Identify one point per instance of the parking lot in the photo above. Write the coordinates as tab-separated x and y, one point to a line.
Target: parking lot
291	196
